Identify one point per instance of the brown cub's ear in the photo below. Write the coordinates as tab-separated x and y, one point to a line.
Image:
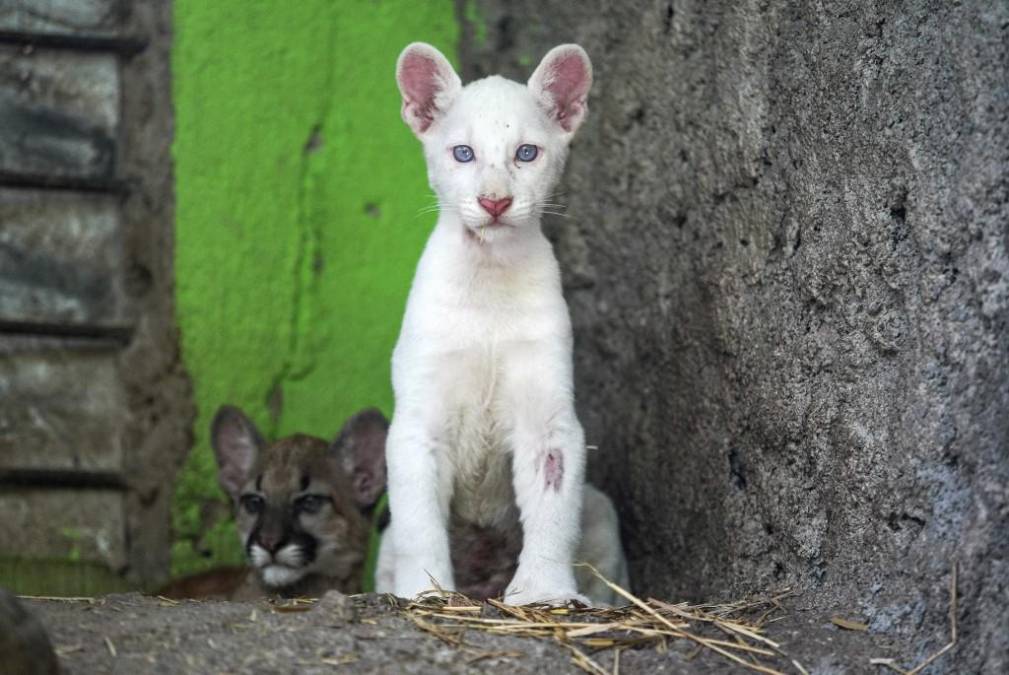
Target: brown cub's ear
236	443
360	447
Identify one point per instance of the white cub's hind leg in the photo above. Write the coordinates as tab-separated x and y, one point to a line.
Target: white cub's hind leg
600	547
419	496
548	467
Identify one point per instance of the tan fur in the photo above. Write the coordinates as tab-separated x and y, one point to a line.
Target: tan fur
339	525
302	508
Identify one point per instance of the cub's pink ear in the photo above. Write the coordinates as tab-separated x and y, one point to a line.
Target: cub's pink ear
236	443
428	84
561	84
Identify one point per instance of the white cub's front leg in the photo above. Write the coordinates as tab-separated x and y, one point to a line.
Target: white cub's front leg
419	494
548	467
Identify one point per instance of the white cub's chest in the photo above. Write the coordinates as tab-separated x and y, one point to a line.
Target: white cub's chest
476	306
479	415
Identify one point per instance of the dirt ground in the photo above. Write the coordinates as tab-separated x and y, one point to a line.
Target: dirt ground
132	633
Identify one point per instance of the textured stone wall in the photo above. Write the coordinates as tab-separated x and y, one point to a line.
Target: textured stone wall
786	258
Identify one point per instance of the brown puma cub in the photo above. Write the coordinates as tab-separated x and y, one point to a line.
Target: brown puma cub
303	507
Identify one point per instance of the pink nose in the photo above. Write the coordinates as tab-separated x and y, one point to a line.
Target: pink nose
495	207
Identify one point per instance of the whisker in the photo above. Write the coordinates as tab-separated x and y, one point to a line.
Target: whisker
430	208
433	204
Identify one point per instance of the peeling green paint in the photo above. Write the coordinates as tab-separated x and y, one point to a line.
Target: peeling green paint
297	193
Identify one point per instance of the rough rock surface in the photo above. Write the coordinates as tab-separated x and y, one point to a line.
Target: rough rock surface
786	259
368	634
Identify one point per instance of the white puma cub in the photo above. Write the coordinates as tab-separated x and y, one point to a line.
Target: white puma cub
485	439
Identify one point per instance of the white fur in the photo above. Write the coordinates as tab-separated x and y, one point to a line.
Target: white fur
600	546
279	576
482	371
282	569
259	556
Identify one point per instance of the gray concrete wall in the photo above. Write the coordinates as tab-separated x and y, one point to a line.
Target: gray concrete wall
95	407
786	258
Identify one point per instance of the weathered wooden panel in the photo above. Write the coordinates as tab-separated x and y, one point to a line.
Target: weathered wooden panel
62	405
94	17
61	259
85	525
58	113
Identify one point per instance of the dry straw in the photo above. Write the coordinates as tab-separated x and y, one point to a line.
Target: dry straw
734	631
586	632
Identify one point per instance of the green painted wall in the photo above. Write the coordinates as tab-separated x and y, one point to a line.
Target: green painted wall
297	228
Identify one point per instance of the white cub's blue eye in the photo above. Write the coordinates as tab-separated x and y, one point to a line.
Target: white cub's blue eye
526	153
462	153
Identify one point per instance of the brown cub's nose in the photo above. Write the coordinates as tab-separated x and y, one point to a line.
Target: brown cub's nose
270	542
495	207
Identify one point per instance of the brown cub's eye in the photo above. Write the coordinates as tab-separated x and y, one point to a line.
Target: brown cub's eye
310	503
252	504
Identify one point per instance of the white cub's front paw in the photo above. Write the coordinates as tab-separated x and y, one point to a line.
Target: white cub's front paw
411	582
527	590
544	597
